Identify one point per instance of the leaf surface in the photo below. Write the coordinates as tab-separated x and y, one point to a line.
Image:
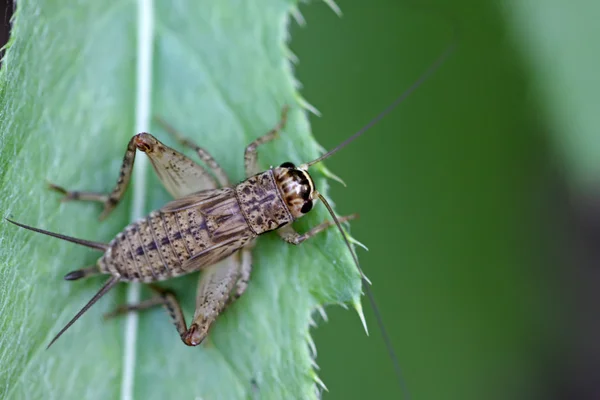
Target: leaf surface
68	105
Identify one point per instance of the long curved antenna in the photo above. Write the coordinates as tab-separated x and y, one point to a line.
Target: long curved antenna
369	292
365	282
420	80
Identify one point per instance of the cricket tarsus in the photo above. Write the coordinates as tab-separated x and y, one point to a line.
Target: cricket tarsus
87	243
107	286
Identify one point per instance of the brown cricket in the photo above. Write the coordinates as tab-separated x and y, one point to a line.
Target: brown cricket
211	227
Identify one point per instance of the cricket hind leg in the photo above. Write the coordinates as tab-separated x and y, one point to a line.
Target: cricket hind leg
204	155
162	297
288	233
157	300
219	285
110	200
251	153
244	277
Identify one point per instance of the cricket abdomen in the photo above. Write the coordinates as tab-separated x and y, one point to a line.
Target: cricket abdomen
171	243
148	250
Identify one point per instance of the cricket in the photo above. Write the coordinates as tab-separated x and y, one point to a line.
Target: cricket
210	226
209	221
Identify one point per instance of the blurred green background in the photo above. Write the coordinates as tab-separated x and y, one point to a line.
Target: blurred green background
462	204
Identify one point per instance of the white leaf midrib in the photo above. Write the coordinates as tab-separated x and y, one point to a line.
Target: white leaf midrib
145	11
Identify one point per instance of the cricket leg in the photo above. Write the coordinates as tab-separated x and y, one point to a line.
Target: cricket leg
203	154
179	175
110	200
251	155
142	305
245	269
216	286
288	233
164	298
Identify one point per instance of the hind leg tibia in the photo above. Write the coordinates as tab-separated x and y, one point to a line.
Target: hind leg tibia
162	297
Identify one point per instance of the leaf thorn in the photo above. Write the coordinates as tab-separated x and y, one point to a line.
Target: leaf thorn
328	174
361	314
360	244
334	7
319	381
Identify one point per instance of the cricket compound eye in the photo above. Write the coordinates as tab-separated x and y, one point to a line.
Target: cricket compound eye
306	207
287	165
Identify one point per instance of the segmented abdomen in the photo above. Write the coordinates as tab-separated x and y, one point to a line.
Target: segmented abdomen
156	247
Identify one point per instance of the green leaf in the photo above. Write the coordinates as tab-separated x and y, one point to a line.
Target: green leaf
69	100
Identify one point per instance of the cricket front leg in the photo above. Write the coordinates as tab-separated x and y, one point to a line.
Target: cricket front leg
251	154
290	235
109	200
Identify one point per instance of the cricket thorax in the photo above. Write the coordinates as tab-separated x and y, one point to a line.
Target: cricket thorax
296	188
261	203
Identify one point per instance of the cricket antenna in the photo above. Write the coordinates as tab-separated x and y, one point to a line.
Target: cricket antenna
365	282
107	286
416	84
369	293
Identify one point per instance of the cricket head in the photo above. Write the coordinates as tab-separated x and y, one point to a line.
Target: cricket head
297	188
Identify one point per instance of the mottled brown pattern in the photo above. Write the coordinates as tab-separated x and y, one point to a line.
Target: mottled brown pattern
202	229
214	292
261	203
187	235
